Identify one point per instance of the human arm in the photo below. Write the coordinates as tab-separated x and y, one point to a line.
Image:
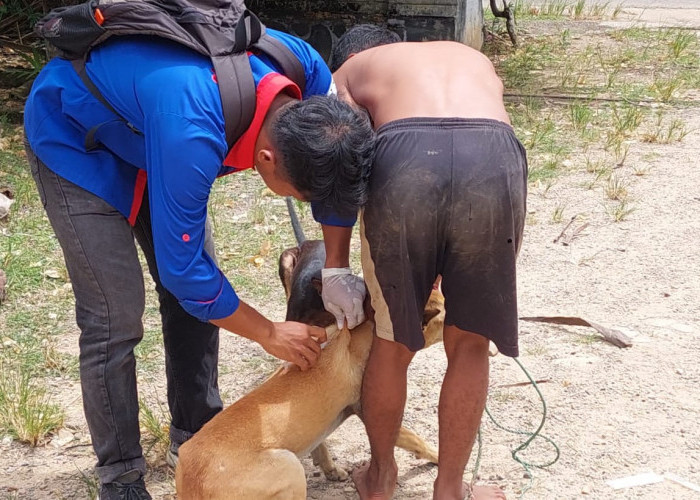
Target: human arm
343	293
183	161
294	342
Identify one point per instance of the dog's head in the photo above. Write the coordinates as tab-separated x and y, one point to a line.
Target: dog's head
300	272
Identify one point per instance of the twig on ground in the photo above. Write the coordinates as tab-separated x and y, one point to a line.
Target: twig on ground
561	235
615	337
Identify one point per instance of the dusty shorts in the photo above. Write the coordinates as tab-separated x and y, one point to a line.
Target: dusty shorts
446	197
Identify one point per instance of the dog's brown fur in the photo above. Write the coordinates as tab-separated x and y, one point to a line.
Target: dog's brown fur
250	450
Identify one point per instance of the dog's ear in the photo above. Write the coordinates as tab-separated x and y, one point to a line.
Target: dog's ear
434	318
435	305
429	313
287	263
317	283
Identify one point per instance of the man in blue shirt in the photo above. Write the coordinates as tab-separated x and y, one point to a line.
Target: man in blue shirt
155	186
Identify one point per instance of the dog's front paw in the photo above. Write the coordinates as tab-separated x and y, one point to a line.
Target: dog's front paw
336	474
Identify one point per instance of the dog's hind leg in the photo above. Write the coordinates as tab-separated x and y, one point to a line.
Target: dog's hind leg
272	474
413	443
323	459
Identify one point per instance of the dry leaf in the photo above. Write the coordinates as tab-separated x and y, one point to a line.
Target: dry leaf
257	260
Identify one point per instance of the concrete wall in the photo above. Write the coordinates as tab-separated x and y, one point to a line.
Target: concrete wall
321	22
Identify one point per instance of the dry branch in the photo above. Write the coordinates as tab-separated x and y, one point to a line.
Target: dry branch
615	337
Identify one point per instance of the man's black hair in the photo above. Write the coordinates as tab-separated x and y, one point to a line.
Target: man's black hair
359	38
327	148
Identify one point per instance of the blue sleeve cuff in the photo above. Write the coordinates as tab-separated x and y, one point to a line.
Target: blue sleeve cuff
329	218
223	305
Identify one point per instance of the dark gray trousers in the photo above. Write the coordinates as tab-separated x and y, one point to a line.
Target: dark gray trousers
102	261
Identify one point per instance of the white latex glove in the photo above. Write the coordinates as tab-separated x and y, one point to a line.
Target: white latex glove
343	294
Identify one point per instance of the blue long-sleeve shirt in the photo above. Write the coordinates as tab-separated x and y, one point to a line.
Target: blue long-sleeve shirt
170	94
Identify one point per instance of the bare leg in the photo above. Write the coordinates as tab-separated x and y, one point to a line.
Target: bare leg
383	400
462	401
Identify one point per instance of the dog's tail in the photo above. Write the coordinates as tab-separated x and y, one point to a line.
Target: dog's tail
296	225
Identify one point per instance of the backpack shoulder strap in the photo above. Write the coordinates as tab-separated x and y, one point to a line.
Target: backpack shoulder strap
90	142
285	59
237	90
235	78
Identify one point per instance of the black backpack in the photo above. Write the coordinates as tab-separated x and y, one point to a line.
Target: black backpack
224	30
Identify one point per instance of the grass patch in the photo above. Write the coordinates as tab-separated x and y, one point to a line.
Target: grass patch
91	484
155	434
663	131
548	9
620	211
564	9
587	339
616	188
581	116
26	412
558	214
149	352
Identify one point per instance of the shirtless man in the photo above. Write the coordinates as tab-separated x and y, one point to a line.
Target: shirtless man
446	197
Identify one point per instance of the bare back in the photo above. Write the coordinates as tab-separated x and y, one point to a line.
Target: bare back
422	79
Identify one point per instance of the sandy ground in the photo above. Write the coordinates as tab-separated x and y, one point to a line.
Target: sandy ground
612	412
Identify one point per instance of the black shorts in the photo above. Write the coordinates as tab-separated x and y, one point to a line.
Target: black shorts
447	197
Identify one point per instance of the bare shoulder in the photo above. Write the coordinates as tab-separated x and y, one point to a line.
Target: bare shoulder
349	77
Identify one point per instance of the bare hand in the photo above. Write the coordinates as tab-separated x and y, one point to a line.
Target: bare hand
295	342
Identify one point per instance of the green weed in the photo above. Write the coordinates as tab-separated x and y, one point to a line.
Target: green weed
581	115
620	211
26	412
666	88
680	42
91	484
558	214
155	428
616	188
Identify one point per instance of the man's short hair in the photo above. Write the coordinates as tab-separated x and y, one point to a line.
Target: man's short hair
326	148
359	38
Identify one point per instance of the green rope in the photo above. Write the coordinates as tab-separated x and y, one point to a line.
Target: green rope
523	446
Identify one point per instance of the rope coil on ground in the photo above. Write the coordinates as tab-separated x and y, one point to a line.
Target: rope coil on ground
524	445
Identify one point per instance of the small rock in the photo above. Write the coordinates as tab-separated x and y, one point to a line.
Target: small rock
349	489
61	439
6	440
8	342
52	273
585	490
5	204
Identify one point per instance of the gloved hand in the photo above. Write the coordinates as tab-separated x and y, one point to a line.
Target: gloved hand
343	294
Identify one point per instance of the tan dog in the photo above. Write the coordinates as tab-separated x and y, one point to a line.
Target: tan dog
250	450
